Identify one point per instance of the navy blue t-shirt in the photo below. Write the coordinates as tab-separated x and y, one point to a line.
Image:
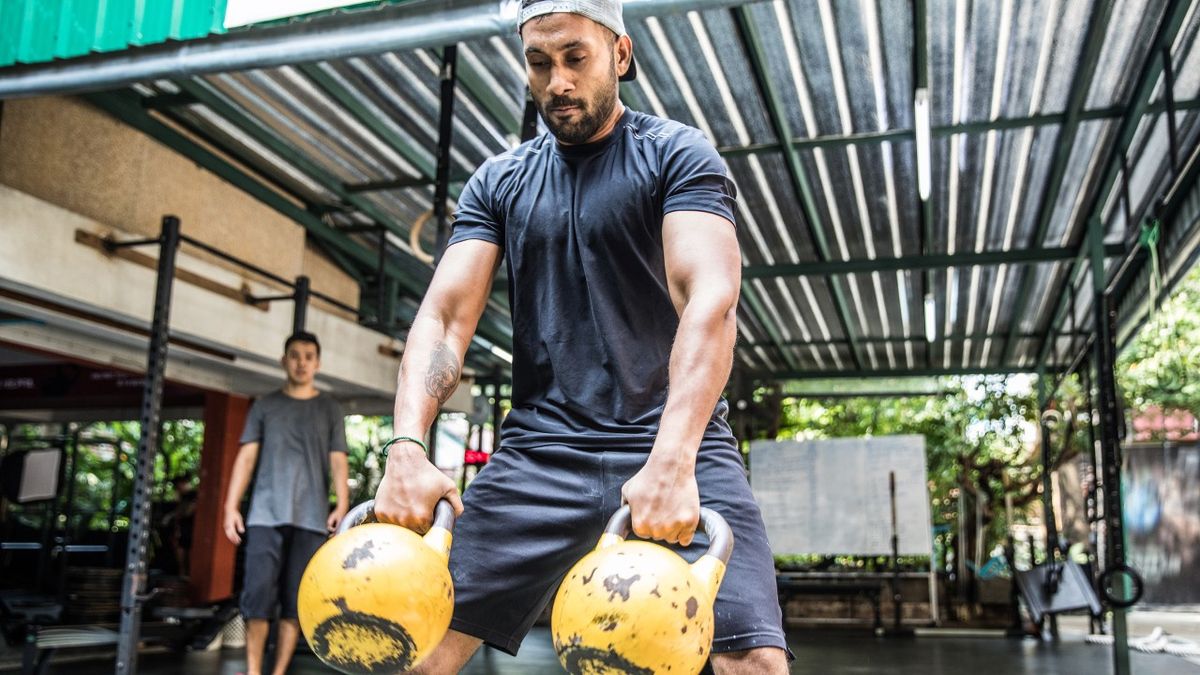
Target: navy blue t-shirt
593	322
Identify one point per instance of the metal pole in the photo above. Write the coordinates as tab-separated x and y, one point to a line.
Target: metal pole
139	522
381	279
1169	96
406	27
441	189
497	410
529	127
1048	500
897	609
1110	441
1095	623
1047	483
301	295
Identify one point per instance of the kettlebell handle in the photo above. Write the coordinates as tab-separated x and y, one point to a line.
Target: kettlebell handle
720	537
443	516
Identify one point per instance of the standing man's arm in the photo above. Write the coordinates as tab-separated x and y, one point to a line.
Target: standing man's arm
243	469
429	373
339	467
703	266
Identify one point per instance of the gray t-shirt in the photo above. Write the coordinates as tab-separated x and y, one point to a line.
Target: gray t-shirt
291	481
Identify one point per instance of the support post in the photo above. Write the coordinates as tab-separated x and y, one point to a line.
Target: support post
1110	440
497	410
132	593
445	136
212	555
1046	437
300	311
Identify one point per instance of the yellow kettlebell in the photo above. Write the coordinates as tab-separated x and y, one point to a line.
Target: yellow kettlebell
637	607
377	598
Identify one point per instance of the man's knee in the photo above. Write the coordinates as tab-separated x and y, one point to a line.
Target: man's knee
451	654
760	661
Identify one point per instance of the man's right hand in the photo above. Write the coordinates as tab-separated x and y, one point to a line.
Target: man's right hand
234	526
410	490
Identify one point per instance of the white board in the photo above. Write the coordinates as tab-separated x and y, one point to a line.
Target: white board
39	480
830	496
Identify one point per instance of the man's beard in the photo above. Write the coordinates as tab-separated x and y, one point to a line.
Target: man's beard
592	114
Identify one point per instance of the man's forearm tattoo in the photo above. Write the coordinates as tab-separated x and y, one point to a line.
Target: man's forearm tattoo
443	372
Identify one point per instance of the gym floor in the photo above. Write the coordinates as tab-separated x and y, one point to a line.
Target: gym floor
824	652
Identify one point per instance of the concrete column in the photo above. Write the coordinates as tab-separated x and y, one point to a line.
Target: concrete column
212	555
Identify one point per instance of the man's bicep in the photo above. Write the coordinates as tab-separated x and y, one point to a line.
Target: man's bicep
701	254
462	282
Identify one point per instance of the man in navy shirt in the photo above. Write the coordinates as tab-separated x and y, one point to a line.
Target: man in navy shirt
616	230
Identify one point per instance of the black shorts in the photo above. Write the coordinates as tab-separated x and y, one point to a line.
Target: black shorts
275	561
533	513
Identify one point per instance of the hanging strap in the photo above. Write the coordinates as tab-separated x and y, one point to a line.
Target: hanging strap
1150	234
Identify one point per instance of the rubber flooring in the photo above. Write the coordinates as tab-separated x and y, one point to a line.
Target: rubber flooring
816	652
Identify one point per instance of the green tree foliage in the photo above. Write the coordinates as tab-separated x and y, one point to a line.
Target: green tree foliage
364	437
1161	365
101	479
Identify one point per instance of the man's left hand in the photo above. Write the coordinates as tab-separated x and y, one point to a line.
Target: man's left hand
335	518
664	500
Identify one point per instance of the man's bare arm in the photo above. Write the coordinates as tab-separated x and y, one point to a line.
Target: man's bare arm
703	266
243	469
429	372
339	469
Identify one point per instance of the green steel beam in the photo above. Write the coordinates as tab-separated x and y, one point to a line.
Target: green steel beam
344	263
920	262
898	340
1139	103
424	164
800	185
126	106
204	94
334	89
941	131
1183	189
1080	85
261	175
754	305
864	374
168	101
400	183
477	84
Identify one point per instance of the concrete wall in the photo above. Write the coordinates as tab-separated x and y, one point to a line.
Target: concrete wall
68	153
237	345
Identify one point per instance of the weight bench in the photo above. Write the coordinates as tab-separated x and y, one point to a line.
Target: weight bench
41	643
872	591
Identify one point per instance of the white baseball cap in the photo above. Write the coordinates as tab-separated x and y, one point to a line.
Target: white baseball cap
607	13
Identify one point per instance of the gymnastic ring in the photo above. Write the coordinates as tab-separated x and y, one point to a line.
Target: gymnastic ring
1105	582
414	235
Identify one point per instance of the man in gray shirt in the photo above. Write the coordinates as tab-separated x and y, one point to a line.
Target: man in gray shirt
296	438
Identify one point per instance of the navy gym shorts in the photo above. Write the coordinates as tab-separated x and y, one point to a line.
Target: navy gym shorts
533	513
275	562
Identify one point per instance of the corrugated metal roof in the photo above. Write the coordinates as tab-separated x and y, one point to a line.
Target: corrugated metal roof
1027	115
33	31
